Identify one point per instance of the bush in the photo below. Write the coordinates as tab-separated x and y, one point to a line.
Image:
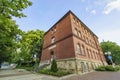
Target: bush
101	68
54	66
117	68
108	68
59	73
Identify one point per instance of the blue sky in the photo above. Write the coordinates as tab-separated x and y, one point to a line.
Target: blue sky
101	16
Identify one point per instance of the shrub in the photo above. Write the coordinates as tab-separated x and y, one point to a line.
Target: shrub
101	68
117	68
54	66
59	73
108	68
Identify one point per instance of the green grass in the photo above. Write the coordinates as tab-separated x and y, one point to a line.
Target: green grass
59	73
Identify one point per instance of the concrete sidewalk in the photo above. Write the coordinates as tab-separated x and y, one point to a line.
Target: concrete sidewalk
96	76
21	74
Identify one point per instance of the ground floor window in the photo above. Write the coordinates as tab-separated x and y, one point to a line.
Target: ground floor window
52	55
84	67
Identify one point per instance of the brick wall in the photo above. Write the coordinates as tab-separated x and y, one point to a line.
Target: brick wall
68	32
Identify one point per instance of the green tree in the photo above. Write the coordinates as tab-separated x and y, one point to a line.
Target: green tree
9	8
8	27
114	48
8	32
31	44
54	66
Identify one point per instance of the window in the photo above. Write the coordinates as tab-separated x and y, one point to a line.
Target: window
87	52
83	49
83	37
53	30
77	22
79	34
78	48
94	55
73	19
53	40
86	39
90	53
75	31
84	67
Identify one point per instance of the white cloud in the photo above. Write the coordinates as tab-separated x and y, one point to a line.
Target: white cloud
113	5
93	12
111	35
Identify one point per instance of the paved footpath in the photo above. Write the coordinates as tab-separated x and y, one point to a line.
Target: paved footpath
96	76
21	74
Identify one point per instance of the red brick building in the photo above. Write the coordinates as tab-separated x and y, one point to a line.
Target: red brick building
73	45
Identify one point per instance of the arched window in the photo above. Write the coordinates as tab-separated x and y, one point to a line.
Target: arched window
83	50
79	34
94	57
78	48
88	53
76	31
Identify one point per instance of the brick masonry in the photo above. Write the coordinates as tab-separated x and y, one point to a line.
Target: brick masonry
73	45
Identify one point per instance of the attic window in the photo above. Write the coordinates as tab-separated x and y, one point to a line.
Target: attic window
74	20
77	22
53	30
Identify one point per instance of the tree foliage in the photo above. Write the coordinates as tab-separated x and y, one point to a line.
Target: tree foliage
8	35
54	66
9	8
30	44
114	48
8	28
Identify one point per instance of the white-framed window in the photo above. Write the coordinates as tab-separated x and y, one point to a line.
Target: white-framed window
52	39
53	30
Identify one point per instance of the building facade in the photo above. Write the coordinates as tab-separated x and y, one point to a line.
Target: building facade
74	46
